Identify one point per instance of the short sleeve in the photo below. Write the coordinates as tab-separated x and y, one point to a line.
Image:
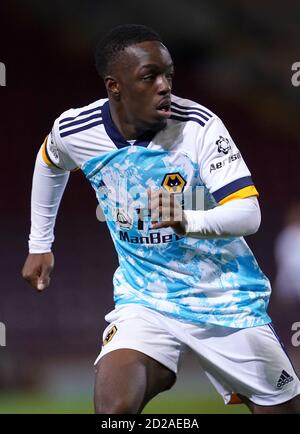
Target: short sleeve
222	168
54	151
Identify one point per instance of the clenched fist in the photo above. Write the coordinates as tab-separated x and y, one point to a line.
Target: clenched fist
37	269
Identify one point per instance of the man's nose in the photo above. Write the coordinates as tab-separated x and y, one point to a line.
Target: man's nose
164	86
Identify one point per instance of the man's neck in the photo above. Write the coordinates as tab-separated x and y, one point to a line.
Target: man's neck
126	128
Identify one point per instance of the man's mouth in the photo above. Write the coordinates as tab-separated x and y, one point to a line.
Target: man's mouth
164	109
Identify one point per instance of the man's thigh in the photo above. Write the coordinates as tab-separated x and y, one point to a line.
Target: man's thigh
138	360
126	380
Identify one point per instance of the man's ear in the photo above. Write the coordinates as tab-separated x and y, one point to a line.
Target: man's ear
112	87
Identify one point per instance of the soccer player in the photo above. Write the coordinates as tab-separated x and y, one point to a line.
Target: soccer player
186	276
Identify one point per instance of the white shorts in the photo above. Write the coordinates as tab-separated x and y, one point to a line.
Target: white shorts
250	362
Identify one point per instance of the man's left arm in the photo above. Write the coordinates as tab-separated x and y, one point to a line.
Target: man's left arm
237	218
225	174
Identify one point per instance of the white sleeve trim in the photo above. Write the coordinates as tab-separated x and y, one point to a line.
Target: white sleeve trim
239	217
48	185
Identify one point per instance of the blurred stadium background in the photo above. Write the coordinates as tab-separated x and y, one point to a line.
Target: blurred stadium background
235	57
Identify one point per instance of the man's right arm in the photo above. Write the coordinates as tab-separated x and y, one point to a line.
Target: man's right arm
48	185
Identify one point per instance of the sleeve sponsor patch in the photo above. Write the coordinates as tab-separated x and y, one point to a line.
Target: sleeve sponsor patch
52	150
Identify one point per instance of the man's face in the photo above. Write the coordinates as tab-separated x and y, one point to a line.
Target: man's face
144	78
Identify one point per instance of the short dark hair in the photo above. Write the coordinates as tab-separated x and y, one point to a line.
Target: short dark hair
120	37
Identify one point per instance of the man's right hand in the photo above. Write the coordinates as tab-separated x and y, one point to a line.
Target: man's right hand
37	269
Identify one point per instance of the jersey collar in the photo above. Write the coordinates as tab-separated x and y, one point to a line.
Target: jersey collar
116	136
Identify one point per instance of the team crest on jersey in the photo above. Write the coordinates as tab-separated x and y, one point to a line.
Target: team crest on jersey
223	145
174	182
109	335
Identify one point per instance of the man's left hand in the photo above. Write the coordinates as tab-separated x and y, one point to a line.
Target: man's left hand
166	211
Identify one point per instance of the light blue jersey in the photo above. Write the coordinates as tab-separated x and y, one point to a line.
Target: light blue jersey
216	281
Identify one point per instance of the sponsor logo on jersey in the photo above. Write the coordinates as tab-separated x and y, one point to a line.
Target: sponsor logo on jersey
152	238
109	335
124	220
174	182
223	145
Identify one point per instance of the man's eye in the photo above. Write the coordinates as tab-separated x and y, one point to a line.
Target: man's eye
148	77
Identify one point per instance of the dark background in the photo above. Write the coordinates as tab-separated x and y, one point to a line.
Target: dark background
234	57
